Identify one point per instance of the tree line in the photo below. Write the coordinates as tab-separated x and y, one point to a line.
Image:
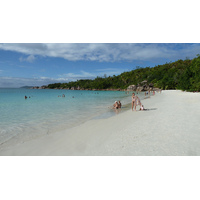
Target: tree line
181	74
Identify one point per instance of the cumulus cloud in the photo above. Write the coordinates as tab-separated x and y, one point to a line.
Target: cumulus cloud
104	52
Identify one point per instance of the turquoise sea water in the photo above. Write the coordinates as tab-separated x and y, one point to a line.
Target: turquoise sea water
45	112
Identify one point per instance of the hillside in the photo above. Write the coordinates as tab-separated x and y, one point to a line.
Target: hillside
181	74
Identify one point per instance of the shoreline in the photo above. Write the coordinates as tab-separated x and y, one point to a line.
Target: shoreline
170	127
104	114
32	127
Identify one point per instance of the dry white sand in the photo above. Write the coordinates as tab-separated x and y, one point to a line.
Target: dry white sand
170	127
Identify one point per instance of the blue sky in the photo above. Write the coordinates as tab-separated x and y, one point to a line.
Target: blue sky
37	64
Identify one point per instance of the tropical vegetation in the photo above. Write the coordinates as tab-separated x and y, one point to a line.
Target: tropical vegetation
181	74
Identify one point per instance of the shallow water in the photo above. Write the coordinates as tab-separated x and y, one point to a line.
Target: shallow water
46	111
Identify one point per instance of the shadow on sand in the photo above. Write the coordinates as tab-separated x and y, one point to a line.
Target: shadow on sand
149	109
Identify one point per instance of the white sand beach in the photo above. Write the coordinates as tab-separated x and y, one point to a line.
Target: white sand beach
170	127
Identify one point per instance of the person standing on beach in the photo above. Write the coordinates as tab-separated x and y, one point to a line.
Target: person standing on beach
135	101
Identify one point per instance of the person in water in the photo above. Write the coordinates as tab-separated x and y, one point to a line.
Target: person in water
119	104
135	101
115	105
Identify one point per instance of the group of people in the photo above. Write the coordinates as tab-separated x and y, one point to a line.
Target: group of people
25	97
135	102
117	105
62	95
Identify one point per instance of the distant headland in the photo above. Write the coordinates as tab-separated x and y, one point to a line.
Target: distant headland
27	87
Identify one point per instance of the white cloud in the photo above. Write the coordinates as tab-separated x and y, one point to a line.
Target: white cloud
104	52
15	82
87	75
30	59
110	71
81	75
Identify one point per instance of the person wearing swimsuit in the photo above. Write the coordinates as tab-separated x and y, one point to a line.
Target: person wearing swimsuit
115	105
119	104
135	101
